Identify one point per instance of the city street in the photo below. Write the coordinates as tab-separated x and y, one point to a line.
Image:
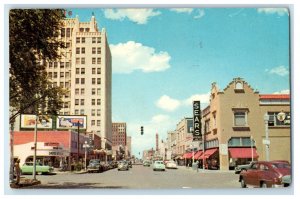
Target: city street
140	177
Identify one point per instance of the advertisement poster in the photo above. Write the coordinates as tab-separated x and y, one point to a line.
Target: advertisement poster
28	121
71	122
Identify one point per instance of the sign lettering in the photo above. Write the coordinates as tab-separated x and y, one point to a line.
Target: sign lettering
197	121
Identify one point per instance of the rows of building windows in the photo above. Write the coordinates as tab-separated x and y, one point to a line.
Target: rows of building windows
81	91
82	80
82	71
61	74
93	122
240	141
66	32
61	64
82	40
93	101
82	60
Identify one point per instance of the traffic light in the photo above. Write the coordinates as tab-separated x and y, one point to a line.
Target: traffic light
142	130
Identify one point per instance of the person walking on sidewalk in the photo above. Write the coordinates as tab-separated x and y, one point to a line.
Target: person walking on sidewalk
18	171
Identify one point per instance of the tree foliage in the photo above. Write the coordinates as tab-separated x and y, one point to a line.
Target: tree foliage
33	42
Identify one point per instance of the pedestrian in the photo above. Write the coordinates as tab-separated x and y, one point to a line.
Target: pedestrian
197	164
18	171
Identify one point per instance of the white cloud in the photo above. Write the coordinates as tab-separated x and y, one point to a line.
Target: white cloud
280	70
201	13
160	118
279	11
167	103
131	56
287	91
182	10
139	16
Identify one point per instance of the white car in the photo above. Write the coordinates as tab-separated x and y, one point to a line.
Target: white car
171	165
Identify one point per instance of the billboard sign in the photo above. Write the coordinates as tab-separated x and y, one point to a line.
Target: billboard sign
197	121
71	122
28	121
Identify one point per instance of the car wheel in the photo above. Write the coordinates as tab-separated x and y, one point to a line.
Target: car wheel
243	184
263	185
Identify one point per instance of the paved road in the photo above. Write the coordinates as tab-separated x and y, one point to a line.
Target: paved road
140	177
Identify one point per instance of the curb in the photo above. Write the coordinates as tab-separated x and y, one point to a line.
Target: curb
25	183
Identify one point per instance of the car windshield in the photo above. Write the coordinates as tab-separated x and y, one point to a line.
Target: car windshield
159	162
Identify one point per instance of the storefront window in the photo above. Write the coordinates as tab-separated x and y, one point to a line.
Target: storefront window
273	120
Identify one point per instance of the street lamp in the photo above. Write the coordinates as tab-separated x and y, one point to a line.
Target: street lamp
267	141
85	146
35	139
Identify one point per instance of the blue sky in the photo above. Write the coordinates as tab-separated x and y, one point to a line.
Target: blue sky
163	59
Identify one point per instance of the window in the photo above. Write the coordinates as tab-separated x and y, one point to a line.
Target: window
68	44
77	81
67	64
82	91
98	101
62	74
240	141
76	101
93	112
62	32
206	126
50	64
98	50
93	71
67	74
273	120
82	60
93	80
61	84
50	74
94	40
93	122
82	102
240	119
87	30
93	60
77	91
99	60
77	70
82	80
98	91
68	32
81	29
55	64
66	105
239	85
98	80
98	39
98	122
81	111
82	71
76	111
98	70
93	102
62	64
77	50
98	112
93	50
77	40
93	91
82	50
83	40
55	75
77	60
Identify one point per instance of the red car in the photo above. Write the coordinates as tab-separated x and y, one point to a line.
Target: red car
265	174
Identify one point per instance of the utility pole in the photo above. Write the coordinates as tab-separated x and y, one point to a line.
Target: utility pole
77	141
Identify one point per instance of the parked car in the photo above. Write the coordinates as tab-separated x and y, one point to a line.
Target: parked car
146	163
159	165
95	166
130	164
123	166
265	174
171	165
244	167
27	168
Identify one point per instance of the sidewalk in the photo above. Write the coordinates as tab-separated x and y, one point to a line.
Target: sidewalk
200	170
25	182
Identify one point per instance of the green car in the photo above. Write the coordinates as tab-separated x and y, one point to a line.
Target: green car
27	168
159	165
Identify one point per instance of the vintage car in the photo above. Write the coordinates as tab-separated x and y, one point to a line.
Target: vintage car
123	165
159	165
265	174
95	166
27	168
171	165
146	163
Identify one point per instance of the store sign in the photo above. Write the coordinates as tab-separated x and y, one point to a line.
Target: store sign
55	153
197	121
71	122
43	122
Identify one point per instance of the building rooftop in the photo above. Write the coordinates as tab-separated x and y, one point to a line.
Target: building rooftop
274	96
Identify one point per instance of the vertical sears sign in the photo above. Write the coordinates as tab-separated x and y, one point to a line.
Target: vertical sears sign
197	121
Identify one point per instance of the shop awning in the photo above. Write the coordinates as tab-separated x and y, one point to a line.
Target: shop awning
188	155
242	153
197	154
208	153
